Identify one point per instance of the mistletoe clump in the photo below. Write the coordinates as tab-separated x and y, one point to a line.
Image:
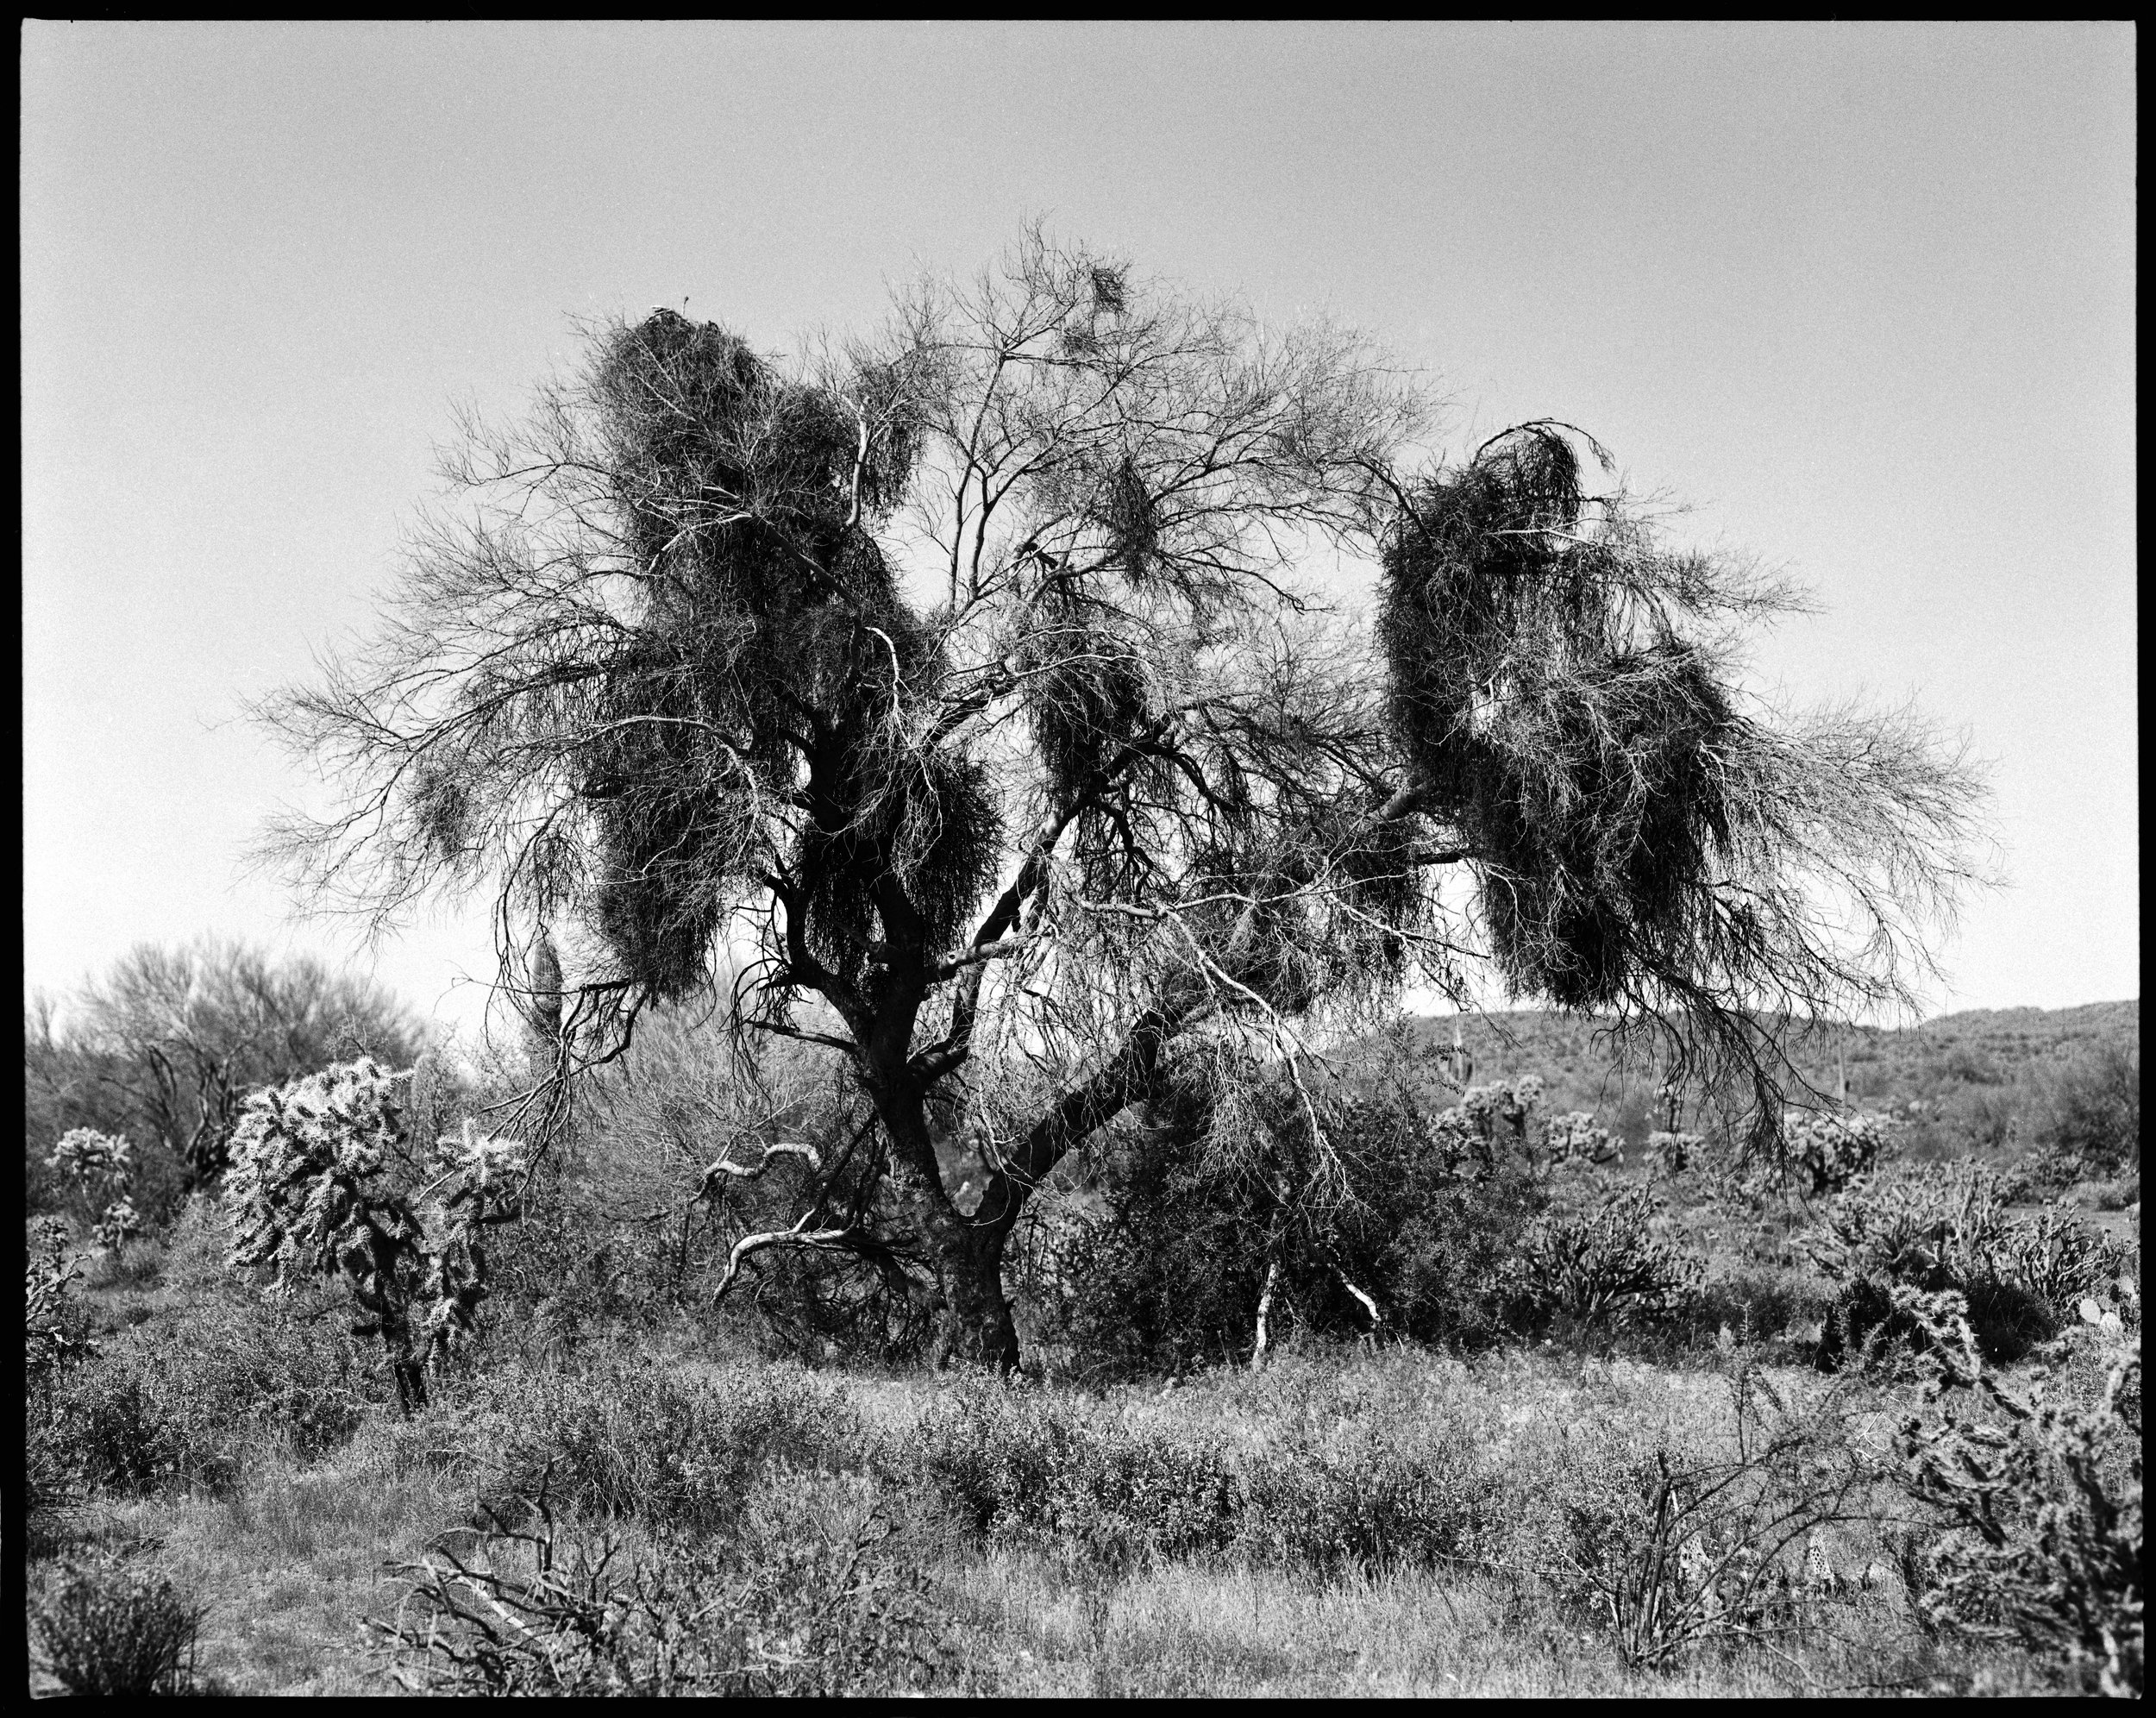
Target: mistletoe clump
317	1190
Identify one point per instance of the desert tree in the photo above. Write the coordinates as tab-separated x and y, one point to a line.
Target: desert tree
168	1042
956	699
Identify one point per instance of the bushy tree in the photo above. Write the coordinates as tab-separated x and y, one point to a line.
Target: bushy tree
957	697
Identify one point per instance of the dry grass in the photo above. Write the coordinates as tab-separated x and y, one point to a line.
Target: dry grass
286	1566
291	1562
293	1555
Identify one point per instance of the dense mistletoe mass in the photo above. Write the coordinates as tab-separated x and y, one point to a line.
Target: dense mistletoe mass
959	697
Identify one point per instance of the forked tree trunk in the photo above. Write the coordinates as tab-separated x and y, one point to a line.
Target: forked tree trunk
973	1321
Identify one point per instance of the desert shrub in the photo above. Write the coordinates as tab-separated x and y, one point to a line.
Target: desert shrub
1165	1281
1372	1506
2041	1503
116	1630
145	1417
1676	1547
121	1432
1014	1466
676	1453
1756	1305
55	1341
2087	1120
1021	1467
572	1266
787	1610
1601	1266
638	1219
2119	1196
1985	1122
814	1307
1964	1065
1403	1228
51	1491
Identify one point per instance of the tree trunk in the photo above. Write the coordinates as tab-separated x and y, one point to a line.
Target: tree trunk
978	1328
975	1327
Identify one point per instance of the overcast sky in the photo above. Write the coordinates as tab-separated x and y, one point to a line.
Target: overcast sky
1864	295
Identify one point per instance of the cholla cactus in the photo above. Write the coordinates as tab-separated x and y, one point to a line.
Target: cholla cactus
1949	1227
116	1225
312	1193
1489	1116
1606	1264
475	1167
1673	1153
2068	1266
2043	1508
96	1167
1830	1151
1940	1227
1574	1138
91	1158
48	1344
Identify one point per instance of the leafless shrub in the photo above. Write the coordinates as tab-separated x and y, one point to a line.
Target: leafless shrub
538	1610
1679	1550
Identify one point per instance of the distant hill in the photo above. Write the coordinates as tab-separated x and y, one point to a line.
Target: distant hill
1982	1060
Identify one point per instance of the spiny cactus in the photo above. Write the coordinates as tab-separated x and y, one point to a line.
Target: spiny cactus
1605	1264
1941	1228
2041	1503
86	1156
1488	1119
116	1224
317	1188
49	1340
1830	1151
96	1170
1574	1138
1672	1153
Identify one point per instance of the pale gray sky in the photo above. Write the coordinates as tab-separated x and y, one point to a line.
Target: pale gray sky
1864	294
